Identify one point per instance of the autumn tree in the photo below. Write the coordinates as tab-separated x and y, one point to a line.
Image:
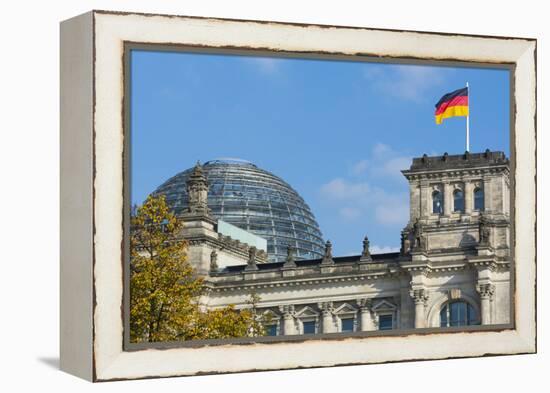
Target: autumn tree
165	291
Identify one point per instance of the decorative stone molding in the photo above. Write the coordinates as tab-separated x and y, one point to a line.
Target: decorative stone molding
365	255
364	303
365	314
419	296
484	231
293	283
289	326
486	290
287	310
213	261
290	259
227	243
405	242
197	190
251	264
490	264
455	293
327	308
327	257
419	242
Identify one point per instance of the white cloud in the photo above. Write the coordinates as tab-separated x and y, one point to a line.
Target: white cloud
388	213
390	208
360	167
407	82
375	249
350	213
380	150
393	166
340	189
367	194
384	161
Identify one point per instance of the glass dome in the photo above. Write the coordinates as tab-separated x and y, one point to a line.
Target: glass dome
255	200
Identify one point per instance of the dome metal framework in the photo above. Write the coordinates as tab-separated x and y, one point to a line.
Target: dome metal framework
257	201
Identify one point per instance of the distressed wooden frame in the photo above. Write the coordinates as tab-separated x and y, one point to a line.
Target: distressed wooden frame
93	189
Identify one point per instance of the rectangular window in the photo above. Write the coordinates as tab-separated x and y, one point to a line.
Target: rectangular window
347	324
271	330
309	327
385	322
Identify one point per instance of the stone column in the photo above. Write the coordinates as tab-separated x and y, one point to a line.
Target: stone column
447	199
486	292
328	320
365	315
289	327
420	297
487	194
415	201
468	197
425	200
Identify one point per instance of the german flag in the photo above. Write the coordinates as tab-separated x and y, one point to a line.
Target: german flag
452	104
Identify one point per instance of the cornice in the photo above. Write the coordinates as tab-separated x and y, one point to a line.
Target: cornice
441	174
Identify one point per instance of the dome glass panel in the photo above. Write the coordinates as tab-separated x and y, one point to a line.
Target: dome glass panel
257	201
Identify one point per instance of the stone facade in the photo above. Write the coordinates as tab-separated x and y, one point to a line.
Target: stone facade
453	267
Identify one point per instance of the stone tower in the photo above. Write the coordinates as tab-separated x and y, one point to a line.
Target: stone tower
456	200
460	214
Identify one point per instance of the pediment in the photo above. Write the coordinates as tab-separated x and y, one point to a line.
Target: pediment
307	312
271	314
345	309
384	305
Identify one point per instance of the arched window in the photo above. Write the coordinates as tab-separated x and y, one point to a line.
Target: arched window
479	199
437	202
458	197
458	313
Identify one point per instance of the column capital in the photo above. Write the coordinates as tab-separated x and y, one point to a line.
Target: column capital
486	291
287	310
326	308
365	304
419	296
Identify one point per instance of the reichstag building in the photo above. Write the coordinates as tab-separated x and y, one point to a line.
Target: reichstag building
250	232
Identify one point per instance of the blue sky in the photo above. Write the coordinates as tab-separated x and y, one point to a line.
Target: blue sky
338	132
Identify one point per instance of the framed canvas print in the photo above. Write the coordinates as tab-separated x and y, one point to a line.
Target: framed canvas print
247	195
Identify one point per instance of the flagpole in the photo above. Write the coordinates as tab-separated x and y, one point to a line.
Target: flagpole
468	121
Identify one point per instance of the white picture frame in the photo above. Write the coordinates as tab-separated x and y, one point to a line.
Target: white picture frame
92	193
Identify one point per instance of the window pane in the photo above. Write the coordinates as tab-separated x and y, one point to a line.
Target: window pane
458	314
479	203
309	327
271	330
347	325
473	318
459	201
437	199
385	322
443	317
